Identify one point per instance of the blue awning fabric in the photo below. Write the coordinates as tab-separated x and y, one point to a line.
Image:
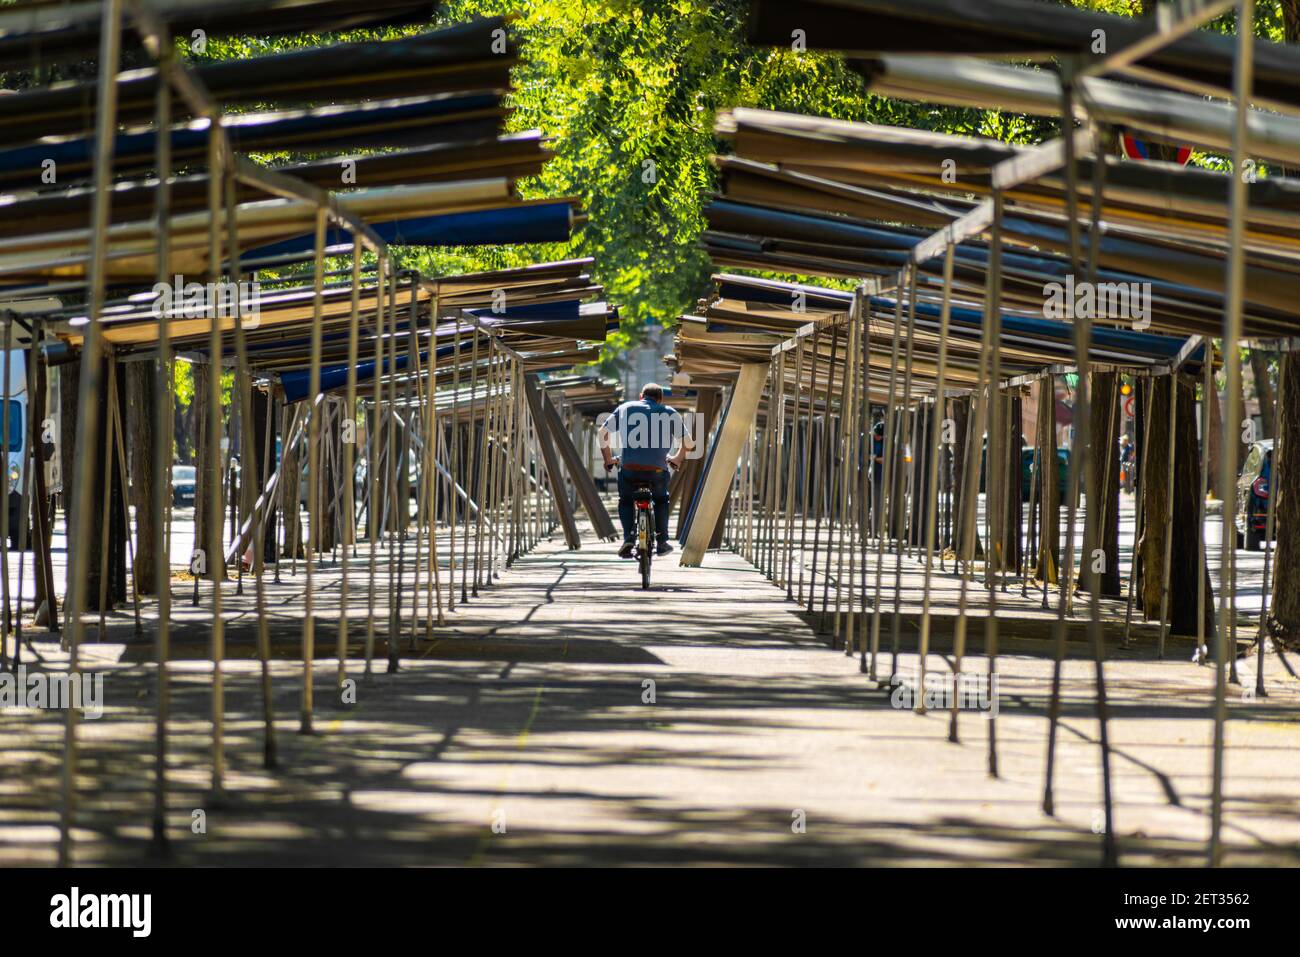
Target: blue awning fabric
533	223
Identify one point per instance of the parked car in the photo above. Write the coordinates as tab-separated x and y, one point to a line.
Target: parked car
363	477
1062	473
412	474
1027	472
1253	488
183	477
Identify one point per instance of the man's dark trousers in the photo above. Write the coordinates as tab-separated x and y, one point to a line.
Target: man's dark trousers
658	483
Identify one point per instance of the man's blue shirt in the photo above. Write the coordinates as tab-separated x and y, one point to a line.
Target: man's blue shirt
647	432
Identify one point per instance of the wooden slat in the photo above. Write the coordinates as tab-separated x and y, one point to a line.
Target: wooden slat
722	462
578	472
533	396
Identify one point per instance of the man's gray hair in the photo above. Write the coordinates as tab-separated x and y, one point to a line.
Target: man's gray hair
652	390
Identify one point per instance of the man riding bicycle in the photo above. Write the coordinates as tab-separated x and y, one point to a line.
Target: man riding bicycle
648	431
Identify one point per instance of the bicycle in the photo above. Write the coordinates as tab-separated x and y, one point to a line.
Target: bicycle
642	498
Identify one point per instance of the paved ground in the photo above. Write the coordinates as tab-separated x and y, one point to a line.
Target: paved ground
526	733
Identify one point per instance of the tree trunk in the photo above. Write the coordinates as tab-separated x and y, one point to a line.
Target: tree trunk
1259	362
262	403
118	520
1049	491
1014	510
1241	433
185	430
69	388
959	410
140	431
961	413
922	422
199	420
1215	454
206	472
379	459
404	475
40	506
1101	519
291	476
116	566
1156	508
329	458
1284	607
395	439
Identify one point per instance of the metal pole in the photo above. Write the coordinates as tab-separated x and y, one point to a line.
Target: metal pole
1167	566
824	456
412	371
213	512
116	414
88	398
432	437
454	464
316	408
1268	539
847	425
349	465
1082	342
994	503
1225	639
1028	549
810	460
1138	510
932	484
968	508
471	469
791	465
853	475
1207	396
867	460
259	573
904	480
887	474
481	451
399	509
105	508
372	456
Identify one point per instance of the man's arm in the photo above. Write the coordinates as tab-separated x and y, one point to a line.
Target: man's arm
606	454
688	445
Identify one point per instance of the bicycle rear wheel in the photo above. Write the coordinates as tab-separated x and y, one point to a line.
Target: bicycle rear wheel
643	540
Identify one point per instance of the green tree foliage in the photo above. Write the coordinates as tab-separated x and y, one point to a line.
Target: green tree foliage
627	91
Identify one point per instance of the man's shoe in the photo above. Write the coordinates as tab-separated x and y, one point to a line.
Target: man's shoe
663	549
627	550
